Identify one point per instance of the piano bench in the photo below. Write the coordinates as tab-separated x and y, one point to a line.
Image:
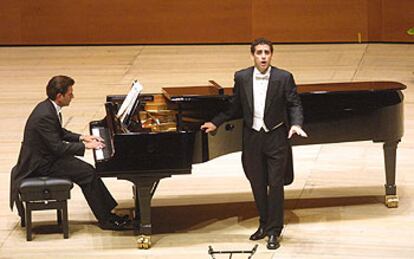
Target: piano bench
44	193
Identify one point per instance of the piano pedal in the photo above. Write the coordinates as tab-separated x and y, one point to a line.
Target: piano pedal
391	201
144	242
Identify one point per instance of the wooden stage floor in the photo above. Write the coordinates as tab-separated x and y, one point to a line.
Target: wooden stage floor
334	209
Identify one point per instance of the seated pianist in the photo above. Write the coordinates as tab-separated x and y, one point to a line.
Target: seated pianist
48	149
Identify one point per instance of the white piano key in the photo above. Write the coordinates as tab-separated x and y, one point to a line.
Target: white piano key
98	152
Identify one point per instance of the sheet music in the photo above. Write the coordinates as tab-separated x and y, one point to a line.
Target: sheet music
129	101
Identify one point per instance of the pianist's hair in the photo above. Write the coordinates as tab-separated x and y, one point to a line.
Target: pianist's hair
58	84
261	41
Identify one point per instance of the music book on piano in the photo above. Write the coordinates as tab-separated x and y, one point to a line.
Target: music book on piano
130	102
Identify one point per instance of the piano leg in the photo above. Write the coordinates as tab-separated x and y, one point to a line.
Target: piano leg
390	153
144	189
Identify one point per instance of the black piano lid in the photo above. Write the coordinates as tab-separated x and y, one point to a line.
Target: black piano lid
351	95
350	87
120	98
194	93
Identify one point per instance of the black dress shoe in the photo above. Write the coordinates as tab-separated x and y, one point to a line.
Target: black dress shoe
113	224
114	217
259	234
273	242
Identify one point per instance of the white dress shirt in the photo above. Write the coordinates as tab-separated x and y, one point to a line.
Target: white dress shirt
260	84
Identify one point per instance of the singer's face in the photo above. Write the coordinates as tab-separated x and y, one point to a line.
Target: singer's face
262	57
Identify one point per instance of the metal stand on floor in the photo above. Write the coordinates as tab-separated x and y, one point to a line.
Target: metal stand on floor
211	252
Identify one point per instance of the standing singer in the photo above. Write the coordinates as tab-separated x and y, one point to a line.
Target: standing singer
266	98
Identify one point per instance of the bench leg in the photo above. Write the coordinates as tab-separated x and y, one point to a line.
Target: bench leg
28	221
22	213
65	223
59	216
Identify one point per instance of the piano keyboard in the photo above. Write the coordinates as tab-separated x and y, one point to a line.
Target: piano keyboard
101	154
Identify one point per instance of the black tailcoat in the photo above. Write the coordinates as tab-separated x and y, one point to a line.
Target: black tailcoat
282	105
266	156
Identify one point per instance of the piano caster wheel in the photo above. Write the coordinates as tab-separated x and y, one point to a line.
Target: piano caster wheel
391	201
144	242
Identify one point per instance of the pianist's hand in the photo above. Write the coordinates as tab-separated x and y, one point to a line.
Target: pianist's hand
89	138
208	127
94	145
295	129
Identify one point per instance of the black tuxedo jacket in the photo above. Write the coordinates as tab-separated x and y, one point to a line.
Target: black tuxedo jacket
44	142
282	104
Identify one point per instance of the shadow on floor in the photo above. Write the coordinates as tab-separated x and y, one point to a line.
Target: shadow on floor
169	219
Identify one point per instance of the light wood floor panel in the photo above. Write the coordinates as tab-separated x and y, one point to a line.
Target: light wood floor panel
334	209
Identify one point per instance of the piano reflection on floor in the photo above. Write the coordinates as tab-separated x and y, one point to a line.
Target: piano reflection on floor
160	137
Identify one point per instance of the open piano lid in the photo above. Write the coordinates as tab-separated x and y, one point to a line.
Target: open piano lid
215	90
190	93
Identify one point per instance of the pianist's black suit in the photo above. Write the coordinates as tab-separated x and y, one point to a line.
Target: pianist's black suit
48	150
266	157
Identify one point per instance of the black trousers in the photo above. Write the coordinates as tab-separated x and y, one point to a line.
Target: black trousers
264	161
96	194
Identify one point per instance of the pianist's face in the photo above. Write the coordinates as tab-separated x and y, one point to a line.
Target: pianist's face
65	99
261	57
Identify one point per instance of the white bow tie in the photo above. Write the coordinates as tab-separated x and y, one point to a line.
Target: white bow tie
264	77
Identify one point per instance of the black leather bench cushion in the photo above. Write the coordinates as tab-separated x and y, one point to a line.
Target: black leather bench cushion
45	188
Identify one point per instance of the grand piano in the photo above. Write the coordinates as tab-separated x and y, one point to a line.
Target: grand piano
161	137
